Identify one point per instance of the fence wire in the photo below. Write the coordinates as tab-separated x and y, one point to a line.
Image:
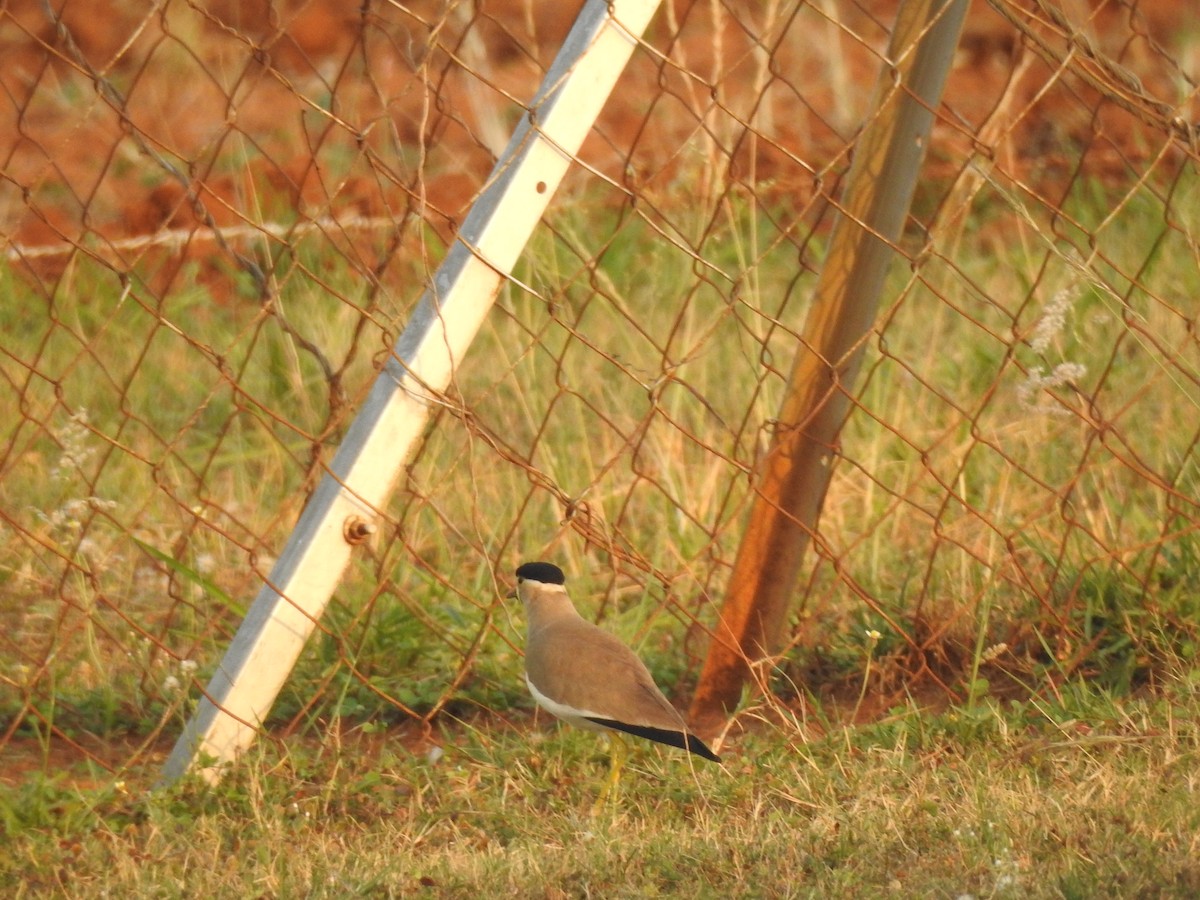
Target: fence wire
216	216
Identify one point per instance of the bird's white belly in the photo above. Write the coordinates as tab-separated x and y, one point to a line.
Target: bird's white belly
568	714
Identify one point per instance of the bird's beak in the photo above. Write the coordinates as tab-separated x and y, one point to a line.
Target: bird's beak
511	595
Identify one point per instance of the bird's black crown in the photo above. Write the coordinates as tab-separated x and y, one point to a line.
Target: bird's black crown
546	573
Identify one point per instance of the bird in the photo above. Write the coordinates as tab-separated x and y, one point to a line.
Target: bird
587	677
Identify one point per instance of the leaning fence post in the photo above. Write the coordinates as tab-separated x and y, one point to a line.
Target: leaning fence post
791	481
360	478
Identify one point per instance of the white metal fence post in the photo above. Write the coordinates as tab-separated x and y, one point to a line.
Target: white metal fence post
363	473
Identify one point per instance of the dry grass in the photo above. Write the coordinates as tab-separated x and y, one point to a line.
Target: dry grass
1005	801
1003	547
991	688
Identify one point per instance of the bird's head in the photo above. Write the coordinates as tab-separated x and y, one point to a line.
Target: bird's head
537	573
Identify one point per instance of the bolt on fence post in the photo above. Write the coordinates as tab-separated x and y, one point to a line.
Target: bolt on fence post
361	476
791	480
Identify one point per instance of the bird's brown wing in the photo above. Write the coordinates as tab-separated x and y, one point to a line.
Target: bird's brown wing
582	666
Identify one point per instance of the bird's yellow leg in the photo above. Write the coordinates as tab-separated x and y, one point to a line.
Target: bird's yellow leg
617	753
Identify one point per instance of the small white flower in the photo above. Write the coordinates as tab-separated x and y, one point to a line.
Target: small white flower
188	666
1037	381
1054	319
994	651
171	684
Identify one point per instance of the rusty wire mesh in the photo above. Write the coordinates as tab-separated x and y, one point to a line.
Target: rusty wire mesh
216	216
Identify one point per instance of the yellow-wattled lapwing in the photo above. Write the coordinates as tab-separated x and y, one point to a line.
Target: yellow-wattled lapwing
587	677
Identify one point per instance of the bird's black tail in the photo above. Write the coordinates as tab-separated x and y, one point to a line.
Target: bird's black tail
680	739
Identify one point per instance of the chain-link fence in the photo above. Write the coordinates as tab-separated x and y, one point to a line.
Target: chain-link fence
217	216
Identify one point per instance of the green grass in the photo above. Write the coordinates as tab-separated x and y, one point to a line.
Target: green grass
1094	797
1010	715
989	688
